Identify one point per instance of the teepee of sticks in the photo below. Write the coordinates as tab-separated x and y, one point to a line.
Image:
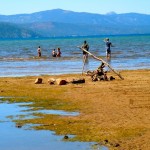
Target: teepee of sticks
100	59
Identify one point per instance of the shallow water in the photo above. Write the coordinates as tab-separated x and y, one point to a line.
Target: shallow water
14	137
19	57
23	111
20	139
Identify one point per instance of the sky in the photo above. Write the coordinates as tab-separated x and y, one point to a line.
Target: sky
11	7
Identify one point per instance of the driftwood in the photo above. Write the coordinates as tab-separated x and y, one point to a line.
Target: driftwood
78	81
98	74
51	81
100	59
38	81
61	82
58	81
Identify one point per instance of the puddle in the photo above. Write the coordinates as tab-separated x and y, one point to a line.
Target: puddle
23	111
21	138
15	139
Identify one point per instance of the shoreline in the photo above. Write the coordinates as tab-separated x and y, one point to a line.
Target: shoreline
30	74
116	111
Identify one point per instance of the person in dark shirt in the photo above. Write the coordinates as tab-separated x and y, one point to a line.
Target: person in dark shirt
86	47
108	44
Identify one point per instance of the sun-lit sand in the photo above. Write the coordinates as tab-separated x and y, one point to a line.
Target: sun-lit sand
115	113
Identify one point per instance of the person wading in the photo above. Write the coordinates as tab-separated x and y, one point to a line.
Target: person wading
86	47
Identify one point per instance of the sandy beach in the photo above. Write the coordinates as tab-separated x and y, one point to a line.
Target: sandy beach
114	113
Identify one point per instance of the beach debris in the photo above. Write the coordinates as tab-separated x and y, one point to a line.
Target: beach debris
51	81
38	81
61	81
100	59
78	81
99	74
111	78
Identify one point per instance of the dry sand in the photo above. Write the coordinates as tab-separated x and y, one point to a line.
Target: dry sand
116	113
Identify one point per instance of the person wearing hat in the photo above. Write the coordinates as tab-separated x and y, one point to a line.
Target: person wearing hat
108	44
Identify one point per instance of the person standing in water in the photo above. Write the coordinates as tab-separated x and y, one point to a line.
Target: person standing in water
58	52
86	47
108	44
54	54
39	51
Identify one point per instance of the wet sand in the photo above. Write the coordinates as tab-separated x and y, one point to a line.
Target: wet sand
115	113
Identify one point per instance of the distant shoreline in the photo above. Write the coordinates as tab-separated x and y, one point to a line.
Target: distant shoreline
76	36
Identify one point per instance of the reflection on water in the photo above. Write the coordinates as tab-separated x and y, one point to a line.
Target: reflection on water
17	137
108	60
85	65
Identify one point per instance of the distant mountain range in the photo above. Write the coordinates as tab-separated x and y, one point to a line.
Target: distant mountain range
59	22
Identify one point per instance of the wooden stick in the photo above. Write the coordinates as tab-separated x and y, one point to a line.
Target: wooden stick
100	59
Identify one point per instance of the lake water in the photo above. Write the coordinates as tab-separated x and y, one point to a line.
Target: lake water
19	57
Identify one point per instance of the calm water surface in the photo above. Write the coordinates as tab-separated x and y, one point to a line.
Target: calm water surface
19	57
14	138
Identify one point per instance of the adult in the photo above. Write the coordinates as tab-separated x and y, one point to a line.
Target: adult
108	44
86	47
58	52
39	51
54	54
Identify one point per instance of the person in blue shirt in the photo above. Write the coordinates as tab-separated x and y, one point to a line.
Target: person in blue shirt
108	44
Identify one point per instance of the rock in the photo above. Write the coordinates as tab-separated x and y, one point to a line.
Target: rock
18	125
77	81
51	81
116	145
66	137
111	78
61	82
106	141
38	81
